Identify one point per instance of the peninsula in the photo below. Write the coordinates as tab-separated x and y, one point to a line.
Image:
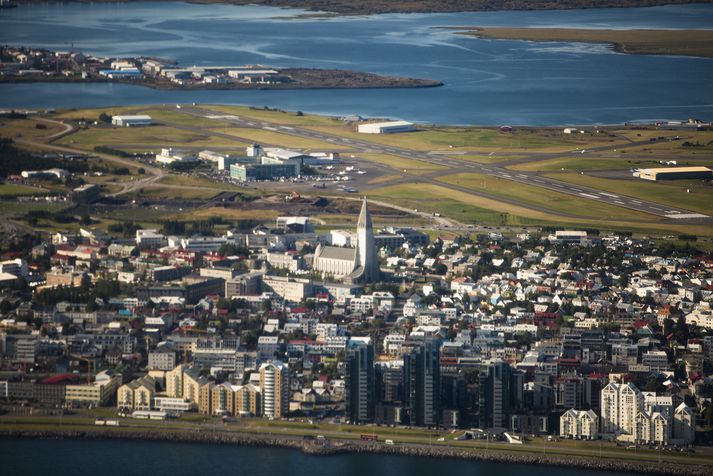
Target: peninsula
25	64
650	42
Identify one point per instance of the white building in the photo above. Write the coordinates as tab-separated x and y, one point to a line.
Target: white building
644	418
170	155
274	387
385	127
150	239
132	121
579	425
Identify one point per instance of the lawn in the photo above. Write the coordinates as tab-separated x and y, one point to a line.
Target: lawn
278	139
412	166
479	139
479	210
16	190
227	213
536	196
277	117
27	128
673	192
144	138
584	162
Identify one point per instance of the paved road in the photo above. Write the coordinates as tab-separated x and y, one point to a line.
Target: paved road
669	213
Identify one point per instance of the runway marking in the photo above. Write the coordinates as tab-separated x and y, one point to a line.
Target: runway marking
588	195
636	201
682	216
609	194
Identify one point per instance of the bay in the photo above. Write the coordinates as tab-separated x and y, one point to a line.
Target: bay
486	81
140	458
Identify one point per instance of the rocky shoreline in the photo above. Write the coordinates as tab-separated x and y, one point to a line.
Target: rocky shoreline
335	447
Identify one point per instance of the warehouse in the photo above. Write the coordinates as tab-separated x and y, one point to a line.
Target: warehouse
385	127
676	173
131	121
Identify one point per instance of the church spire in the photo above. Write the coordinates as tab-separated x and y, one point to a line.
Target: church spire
364	222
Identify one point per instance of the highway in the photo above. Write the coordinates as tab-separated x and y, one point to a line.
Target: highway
457	165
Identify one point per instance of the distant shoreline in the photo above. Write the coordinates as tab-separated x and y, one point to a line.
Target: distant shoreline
375	7
690	42
336	447
398	83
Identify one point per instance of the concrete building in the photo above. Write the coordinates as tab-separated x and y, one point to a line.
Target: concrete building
359	382
274	388
385	127
170	155
290	289
163	358
97	393
422	383
137	394
358	264
579	425
88	193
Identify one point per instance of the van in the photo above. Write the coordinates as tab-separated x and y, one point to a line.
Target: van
389	442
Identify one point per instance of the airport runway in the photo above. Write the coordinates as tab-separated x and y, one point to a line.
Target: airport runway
666	212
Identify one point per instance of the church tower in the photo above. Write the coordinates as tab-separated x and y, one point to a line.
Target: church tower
367	260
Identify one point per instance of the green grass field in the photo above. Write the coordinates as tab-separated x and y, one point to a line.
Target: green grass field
16	190
671	192
411	166
536	196
479	139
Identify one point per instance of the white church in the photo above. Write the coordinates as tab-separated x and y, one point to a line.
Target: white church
359	264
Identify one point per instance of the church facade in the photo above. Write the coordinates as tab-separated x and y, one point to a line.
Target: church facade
359	264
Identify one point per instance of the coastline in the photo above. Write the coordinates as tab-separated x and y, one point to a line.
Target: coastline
336	447
376	7
227	87
691	43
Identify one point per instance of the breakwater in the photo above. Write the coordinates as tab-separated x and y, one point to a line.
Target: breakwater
338	447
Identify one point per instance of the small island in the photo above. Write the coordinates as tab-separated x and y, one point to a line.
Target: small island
25	64
648	42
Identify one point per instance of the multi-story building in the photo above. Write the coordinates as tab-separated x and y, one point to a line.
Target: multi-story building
163	358
97	393
422	383
274	388
359	382
579	424
137	394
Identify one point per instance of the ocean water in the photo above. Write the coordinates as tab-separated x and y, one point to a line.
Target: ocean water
139	458
486	81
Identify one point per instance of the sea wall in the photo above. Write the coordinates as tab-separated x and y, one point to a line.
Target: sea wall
332	447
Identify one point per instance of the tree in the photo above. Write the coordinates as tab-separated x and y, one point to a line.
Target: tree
105	118
682	332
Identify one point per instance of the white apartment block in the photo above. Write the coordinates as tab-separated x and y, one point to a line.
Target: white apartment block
579	425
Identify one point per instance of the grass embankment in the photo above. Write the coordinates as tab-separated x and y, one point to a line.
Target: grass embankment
658	42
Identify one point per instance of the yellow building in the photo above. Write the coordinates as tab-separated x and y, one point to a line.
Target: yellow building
248	401
97	393
137	394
